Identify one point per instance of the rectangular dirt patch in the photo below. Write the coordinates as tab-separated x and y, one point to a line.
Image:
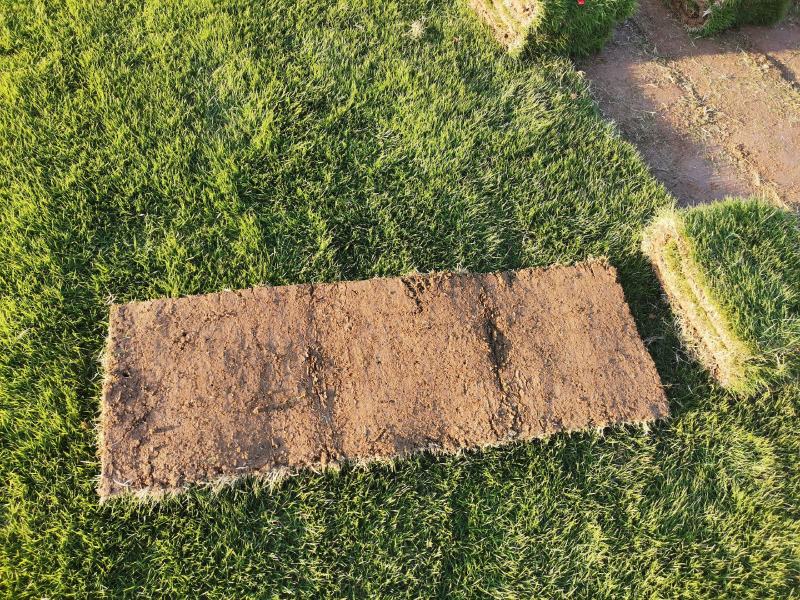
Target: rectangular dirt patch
269	380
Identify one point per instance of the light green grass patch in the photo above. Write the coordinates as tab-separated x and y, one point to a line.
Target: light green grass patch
732	273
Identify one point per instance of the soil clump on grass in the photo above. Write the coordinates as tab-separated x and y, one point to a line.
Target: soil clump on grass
269	380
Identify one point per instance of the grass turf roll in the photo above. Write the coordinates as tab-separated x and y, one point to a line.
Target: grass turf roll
707	17
731	271
559	26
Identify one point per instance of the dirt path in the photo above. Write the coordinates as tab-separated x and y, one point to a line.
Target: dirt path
712	117
274	379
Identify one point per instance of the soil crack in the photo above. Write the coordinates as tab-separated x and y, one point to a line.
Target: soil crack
414	289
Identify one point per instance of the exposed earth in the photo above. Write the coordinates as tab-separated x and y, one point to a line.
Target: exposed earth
712	117
272	379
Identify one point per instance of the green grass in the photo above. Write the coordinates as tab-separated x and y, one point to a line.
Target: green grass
725	14
566	27
562	26
749	252
732	270
166	149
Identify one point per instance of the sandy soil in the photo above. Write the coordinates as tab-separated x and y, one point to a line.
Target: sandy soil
274	379
712	117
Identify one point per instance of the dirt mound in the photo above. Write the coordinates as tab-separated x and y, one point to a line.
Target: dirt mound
273	379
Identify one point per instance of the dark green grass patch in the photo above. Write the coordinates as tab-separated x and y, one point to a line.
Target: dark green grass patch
168	148
710	17
566	27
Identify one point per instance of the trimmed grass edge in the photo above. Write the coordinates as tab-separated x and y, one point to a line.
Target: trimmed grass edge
554	26
730	273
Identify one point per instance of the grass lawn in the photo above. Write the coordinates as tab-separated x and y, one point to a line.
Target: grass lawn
152	149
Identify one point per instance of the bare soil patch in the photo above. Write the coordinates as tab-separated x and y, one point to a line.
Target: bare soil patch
712	117
270	380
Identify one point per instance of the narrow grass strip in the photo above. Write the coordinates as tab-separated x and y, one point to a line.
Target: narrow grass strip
732	274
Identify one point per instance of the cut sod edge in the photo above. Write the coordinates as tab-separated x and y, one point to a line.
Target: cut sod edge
706	331
102	419
511	31
275	476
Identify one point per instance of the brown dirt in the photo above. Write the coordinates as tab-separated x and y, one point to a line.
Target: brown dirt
712	117
269	380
